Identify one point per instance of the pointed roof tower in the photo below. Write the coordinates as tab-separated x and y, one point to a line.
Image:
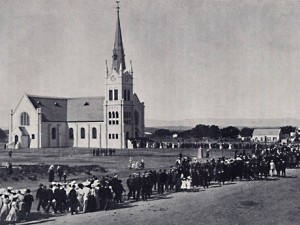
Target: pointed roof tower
118	57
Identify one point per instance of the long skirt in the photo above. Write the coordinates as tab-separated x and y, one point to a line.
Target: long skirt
4	212
12	215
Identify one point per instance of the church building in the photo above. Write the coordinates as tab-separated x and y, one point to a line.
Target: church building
86	122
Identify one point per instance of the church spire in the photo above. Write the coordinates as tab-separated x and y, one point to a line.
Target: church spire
118	51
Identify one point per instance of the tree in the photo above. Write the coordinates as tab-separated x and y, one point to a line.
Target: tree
246	132
2	134
185	134
287	129
162	133
200	131
214	131
230	132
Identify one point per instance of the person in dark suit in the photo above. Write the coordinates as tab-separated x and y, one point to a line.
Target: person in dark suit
107	196
137	186
28	199
50	198
73	200
58	198
41	197
144	187
130	185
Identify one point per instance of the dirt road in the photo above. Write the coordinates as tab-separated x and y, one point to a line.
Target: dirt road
275	201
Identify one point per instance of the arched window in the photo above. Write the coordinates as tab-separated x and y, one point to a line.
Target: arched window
94	133
117	115
71	133
82	133
53	133
109	115
136	118
113	114
25	121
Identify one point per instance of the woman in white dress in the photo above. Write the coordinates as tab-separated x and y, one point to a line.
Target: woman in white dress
188	183
13	213
183	184
5	207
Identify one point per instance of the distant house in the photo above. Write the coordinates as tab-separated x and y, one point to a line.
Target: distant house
267	135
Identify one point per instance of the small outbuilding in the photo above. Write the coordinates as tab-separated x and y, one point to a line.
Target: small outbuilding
267	135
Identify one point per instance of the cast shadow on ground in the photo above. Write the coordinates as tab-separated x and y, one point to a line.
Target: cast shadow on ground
38	218
230	183
272	179
158	197
123	205
214	186
290	177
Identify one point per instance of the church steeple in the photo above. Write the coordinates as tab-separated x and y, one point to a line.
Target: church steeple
118	57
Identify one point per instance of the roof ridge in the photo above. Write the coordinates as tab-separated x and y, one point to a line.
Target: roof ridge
62	98
46	97
86	97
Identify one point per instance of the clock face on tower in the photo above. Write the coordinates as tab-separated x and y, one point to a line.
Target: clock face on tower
113	78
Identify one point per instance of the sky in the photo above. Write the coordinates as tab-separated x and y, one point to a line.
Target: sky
191	59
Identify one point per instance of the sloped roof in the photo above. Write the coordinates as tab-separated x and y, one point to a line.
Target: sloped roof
85	109
53	109
23	131
69	109
266	132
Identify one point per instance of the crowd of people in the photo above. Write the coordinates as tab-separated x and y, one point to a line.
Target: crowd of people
185	175
104	152
15	205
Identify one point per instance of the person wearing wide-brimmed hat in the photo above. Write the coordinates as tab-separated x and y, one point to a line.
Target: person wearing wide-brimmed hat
86	193
95	192
13	212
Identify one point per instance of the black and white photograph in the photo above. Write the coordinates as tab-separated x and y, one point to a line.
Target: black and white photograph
152	112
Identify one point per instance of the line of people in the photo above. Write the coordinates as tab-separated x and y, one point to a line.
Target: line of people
104	152
15	205
186	174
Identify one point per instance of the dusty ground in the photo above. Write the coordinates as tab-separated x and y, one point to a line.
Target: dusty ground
275	201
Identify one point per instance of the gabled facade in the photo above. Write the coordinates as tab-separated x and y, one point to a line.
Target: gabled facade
267	135
91	122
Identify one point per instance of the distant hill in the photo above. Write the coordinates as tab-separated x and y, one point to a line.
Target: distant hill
171	128
239	122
